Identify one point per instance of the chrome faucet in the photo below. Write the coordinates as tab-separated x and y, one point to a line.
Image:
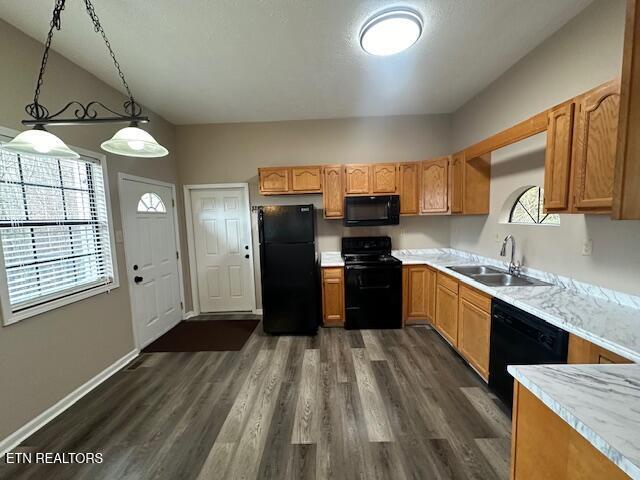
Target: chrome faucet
514	267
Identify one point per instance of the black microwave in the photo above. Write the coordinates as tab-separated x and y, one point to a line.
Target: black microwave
369	211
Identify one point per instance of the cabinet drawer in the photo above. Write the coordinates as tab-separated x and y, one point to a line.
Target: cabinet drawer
479	299
448	282
332	272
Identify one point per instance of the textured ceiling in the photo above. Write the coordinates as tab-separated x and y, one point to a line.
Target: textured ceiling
205	61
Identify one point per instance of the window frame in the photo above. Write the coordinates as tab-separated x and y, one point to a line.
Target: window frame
8	316
540	202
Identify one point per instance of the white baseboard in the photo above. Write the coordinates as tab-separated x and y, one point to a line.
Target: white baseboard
17	437
190	314
257	311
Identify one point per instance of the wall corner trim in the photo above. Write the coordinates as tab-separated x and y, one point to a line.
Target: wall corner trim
17	437
189	314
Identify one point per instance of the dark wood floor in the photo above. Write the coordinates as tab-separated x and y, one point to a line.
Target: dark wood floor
345	404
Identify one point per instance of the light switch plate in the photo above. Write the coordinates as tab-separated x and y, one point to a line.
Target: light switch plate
587	248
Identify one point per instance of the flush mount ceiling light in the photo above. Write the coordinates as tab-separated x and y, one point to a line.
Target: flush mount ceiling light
391	32
130	141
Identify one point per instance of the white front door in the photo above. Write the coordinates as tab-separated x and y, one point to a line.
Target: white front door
152	260
222	236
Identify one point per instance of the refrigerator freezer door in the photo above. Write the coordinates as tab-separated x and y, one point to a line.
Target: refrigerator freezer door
287	224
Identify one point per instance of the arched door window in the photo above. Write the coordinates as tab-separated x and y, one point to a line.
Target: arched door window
151	203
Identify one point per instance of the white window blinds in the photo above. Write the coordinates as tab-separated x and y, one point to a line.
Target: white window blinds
54	228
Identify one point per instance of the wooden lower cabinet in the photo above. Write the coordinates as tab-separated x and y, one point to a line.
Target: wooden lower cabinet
543	445
333	297
582	351
474	328
447	308
418	294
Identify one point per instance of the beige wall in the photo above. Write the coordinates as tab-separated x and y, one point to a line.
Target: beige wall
585	53
44	358
233	152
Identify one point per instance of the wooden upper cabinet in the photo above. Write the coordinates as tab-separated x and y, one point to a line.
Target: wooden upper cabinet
384	178
435	185
626	197
333	191
596	148
274	180
357	179
456	192
306	179
557	165
409	180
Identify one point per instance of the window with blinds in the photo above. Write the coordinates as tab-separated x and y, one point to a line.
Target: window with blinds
54	228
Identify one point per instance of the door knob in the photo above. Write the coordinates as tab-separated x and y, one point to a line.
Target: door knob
137	279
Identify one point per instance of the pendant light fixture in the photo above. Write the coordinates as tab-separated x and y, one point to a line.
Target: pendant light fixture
130	141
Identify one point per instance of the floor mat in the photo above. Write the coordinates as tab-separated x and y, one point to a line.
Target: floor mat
204	336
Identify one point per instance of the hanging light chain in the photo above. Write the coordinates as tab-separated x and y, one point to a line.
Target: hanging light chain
98	28
36	110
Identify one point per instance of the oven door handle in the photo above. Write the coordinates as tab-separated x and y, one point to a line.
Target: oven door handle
375	287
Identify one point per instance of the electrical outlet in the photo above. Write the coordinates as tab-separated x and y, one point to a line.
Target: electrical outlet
498	239
587	248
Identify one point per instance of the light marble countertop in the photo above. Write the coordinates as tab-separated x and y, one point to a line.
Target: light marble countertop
601	402
331	259
604	322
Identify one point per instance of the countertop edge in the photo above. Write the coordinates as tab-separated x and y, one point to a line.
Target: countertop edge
587	432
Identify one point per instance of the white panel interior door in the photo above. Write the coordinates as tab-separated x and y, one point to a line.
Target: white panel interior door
222	235
152	263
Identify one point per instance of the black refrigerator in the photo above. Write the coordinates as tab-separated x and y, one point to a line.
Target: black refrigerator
289	272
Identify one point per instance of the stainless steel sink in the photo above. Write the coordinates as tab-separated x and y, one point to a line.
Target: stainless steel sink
475	270
494	277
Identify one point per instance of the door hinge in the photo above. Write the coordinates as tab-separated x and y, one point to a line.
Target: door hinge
173	202
181	306
177	255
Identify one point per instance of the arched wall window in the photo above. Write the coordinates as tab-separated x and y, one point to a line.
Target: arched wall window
151	203
529	209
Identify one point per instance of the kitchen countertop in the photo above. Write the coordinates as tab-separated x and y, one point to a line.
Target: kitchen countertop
607	323
601	402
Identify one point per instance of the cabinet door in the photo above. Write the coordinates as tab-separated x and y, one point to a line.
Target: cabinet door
596	148
474	331
306	179
457	182
435	185
357	179
333	192
557	164
417	285
582	351
333	296
447	314
384	178
409	174
274	180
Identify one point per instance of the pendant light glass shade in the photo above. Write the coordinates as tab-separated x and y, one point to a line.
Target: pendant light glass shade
39	142
134	142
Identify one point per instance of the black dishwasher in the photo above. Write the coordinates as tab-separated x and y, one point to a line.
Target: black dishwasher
519	338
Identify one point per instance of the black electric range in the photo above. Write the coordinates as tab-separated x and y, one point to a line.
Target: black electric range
373	283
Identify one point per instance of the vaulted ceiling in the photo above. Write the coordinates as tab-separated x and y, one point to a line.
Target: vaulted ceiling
205	61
